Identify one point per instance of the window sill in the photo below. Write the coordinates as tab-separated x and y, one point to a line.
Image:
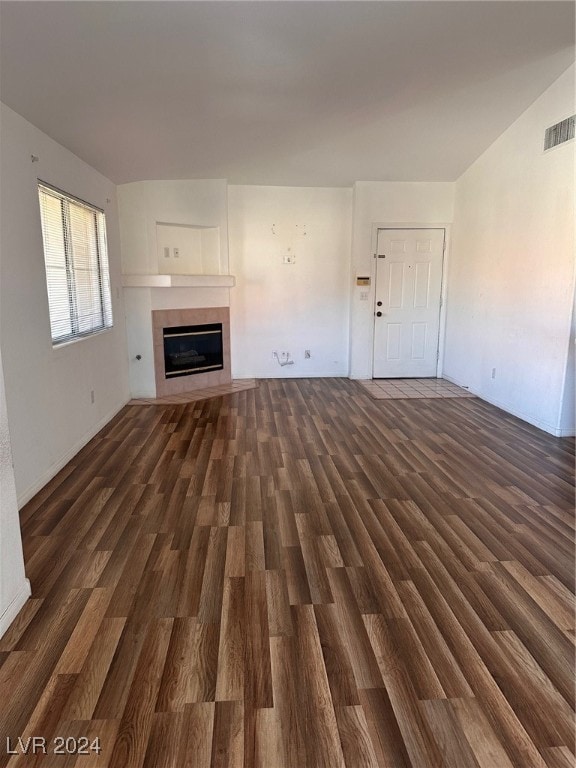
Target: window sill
69	342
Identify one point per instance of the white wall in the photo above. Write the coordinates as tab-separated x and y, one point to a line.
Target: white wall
139	304
142	204
188	250
511	276
568	409
289	307
408	203
48	391
14	586
189	203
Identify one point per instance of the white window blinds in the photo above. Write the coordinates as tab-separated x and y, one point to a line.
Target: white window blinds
76	260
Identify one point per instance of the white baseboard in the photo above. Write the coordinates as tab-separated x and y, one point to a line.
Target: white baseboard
15	607
565	432
31	491
544	426
288	372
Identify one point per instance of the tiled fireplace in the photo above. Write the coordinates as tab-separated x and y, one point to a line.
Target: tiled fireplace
191	349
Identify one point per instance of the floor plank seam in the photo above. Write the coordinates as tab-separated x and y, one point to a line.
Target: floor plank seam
295	576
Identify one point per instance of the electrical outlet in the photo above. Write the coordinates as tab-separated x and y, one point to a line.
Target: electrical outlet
307	354
166	253
289	258
176	253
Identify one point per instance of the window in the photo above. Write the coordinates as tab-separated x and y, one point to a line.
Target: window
76	261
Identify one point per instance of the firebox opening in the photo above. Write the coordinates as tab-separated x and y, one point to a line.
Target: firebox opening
190	349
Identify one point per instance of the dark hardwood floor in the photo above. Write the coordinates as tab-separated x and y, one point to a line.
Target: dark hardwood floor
298	576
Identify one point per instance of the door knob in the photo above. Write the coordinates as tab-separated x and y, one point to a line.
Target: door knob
378	303
378	314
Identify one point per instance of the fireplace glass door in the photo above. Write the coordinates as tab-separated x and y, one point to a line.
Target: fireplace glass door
190	349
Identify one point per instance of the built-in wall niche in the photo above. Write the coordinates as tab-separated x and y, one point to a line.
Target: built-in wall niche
185	249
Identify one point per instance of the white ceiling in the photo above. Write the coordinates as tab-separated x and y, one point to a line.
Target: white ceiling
287	93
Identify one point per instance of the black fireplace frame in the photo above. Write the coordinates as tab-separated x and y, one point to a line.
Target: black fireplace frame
183	359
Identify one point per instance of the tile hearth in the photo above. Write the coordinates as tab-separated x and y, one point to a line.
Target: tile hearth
239	385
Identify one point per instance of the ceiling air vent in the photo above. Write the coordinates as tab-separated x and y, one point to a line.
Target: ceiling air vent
559	133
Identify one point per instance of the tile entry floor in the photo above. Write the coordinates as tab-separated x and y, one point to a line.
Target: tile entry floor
395	389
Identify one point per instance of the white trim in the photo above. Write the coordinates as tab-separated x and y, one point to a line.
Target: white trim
571	430
444	300
544	426
568	142
15	606
564	432
298	374
31	491
443	290
178	281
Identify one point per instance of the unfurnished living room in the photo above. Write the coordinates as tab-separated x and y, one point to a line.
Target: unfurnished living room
287	387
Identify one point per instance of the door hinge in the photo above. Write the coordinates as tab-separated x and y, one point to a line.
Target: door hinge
381	255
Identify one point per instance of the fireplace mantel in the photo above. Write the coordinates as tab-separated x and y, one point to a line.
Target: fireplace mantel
178	281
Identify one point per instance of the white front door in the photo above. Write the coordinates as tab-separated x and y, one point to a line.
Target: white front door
407	304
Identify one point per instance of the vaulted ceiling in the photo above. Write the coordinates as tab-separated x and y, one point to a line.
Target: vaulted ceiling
287	93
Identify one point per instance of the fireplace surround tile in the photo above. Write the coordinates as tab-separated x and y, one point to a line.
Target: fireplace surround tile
167	318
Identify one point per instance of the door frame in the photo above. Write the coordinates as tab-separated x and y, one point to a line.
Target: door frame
376	226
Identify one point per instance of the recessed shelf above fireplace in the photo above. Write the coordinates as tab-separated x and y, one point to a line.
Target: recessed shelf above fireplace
188	249
178	281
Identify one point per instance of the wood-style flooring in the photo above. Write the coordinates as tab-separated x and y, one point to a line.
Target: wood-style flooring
299	576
